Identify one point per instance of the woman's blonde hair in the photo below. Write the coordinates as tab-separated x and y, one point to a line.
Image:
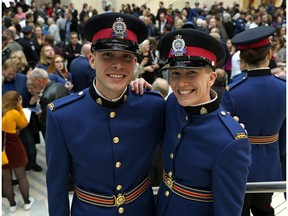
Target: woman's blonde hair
142	45
20	54
10	100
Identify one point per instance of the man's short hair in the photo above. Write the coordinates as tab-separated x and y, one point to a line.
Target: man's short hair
162	86
39	73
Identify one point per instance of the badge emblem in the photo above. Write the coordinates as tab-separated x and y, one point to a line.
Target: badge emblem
119	28
178	46
203	111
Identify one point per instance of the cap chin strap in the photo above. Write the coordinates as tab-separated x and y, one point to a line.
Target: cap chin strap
115	44
189	62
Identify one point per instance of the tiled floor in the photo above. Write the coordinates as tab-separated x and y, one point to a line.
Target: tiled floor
38	190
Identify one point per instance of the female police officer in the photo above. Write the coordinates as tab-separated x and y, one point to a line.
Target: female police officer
102	136
259	100
206	153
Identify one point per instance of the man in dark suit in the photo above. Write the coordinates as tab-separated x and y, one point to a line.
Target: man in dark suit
83	74
48	91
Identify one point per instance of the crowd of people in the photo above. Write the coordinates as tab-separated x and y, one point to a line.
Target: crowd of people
50	52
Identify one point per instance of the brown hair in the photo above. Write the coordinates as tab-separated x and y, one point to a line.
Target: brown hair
52	67
254	56
10	100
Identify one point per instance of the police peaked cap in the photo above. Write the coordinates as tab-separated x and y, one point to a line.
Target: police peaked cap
27	29
190	48
253	38
115	31
189	24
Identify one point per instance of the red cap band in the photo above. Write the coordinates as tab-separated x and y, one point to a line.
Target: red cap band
108	33
197	51
260	43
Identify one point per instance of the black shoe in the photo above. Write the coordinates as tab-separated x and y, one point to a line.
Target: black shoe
36	168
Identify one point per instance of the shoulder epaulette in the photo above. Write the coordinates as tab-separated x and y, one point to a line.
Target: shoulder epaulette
65	101
235	83
235	129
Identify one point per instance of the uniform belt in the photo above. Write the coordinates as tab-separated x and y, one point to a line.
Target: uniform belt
187	192
263	139
114	200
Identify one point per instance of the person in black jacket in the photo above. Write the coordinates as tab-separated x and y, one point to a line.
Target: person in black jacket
72	50
29	46
48	91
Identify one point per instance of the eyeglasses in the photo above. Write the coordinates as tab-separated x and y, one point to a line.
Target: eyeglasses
56	62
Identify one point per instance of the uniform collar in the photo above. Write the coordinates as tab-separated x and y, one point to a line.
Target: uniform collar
259	72
205	108
102	101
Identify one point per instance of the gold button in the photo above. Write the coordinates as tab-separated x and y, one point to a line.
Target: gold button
170	174
121	210
118	164
112	115
179	136
167	193
116	140
119	187
171	155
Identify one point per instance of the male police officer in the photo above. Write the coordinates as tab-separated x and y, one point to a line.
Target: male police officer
29	46
102	136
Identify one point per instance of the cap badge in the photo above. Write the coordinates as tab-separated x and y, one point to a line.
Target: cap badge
119	28
178	46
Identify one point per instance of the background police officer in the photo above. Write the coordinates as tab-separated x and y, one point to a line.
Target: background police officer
259	100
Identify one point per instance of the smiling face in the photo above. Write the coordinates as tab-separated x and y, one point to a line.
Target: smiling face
192	86
114	70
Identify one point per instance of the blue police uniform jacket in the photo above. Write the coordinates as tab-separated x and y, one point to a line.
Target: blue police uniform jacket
106	148
259	100
204	150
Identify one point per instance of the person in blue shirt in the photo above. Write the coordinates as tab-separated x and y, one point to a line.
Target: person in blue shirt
59	74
